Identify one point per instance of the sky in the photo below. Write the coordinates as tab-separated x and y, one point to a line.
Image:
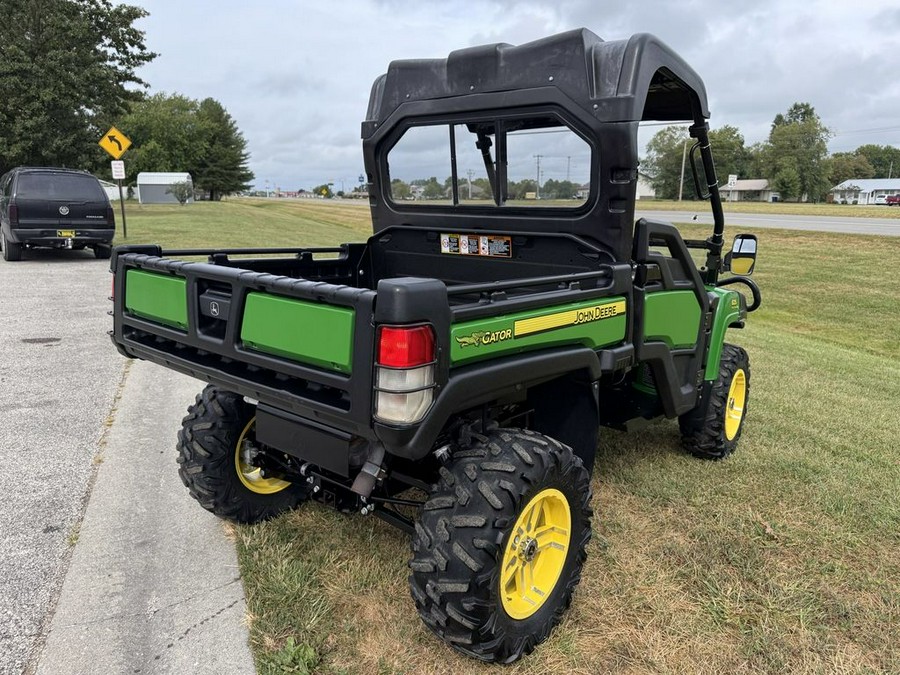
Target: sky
296	76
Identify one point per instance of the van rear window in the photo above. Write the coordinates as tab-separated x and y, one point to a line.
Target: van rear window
68	186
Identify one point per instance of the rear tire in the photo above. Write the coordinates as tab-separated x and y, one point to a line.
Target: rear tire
102	251
713	428
212	447
12	252
500	544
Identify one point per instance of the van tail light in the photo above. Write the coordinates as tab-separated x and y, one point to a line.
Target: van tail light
13	214
404	373
110	216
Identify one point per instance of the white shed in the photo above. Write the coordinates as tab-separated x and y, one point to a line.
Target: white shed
111	190
153	188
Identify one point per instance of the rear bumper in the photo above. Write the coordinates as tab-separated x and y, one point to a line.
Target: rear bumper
56	238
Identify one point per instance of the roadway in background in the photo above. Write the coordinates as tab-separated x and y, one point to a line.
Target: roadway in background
839	224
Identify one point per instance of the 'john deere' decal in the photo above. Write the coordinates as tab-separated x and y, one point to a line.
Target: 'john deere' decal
484	337
572	317
539	324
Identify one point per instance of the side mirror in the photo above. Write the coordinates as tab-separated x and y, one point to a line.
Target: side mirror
742	258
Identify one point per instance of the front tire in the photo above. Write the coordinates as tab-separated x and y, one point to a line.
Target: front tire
216	445
712	429
500	544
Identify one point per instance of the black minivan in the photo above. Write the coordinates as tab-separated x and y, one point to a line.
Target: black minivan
57	208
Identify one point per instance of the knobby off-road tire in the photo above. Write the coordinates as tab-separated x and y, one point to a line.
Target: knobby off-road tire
212	467
473	539
712	431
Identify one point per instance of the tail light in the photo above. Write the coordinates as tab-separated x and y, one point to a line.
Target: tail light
110	216
13	214
404	373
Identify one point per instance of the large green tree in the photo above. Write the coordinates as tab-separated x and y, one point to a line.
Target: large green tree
167	135
222	169
794	156
67	71
844	165
731	157
885	159
663	162
176	133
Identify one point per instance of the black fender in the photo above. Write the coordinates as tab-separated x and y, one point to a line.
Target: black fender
481	383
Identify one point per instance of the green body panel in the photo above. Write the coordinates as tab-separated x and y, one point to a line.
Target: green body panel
729	311
320	335
595	324
157	297
672	317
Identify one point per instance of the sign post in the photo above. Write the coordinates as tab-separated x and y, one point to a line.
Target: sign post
116	143
118	173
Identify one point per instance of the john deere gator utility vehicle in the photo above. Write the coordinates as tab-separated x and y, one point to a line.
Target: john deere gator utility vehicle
450	375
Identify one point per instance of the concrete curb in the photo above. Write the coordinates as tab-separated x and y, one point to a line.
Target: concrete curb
153	585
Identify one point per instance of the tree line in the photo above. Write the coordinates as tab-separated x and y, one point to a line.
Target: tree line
68	72
794	158
432	188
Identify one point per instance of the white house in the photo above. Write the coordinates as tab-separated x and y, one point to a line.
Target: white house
153	188
749	190
864	191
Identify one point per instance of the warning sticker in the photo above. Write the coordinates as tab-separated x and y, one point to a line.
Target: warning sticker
488	245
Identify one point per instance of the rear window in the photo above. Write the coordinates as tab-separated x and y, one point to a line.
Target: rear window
68	186
535	160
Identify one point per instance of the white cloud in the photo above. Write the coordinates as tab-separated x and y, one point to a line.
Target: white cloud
297	78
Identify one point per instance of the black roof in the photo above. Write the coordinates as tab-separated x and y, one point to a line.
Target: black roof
47	169
640	78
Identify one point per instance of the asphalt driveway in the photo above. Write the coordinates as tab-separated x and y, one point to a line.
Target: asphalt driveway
58	378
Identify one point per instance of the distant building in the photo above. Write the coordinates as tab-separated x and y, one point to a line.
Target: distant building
864	191
111	189
153	188
749	190
645	188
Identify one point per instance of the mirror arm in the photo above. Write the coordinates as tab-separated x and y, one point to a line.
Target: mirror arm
700	131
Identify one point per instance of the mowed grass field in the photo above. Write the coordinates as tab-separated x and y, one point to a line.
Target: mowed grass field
784	558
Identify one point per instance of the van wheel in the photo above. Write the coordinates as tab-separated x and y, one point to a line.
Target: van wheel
500	544
218	454
11	252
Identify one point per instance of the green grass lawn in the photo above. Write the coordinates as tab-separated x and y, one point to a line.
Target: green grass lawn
784	558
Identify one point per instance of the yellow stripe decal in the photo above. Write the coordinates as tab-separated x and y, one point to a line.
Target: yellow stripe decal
573	317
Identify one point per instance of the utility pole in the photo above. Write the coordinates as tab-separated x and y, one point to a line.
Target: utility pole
683	157
891	170
537	193
469	174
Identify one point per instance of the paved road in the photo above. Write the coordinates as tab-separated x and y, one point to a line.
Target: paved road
153	586
58	377
848	224
150	567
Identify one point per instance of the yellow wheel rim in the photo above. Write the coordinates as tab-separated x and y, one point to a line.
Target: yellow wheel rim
734	408
535	553
251	476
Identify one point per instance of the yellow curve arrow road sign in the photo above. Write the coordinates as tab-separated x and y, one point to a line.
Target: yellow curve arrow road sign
115	142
